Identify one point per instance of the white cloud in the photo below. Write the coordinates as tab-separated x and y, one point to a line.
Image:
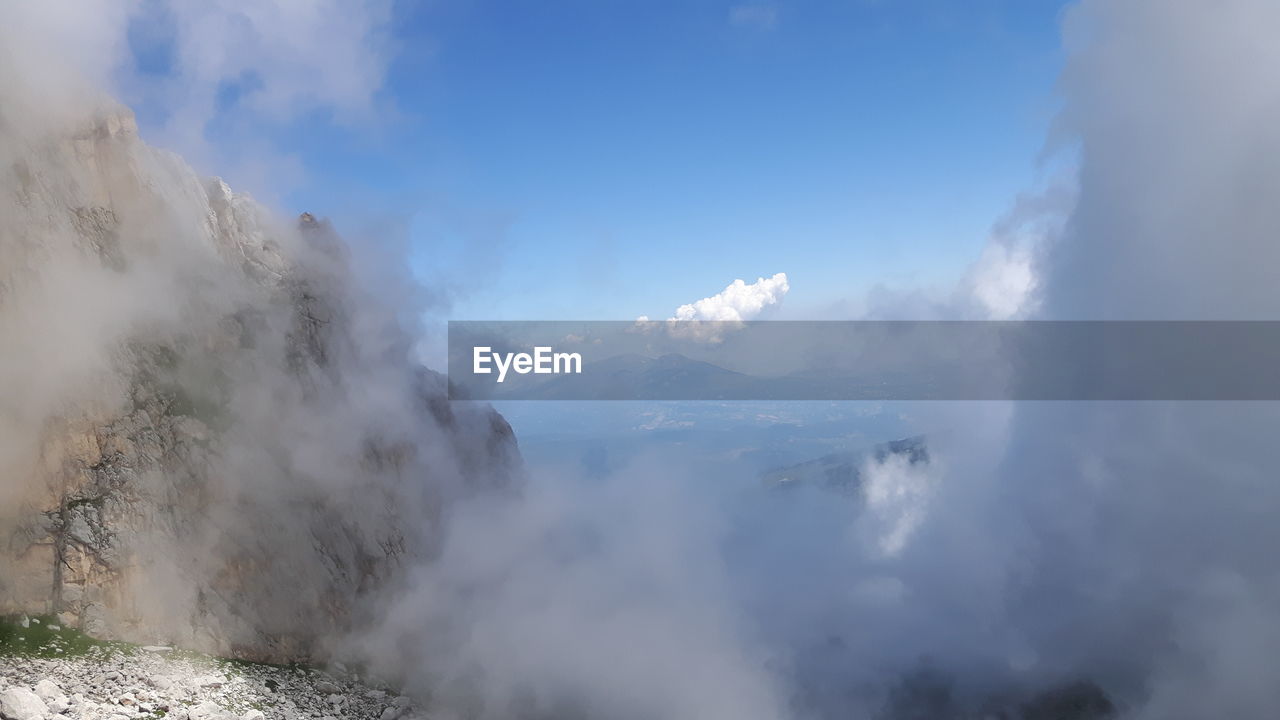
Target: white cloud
1003	280
708	318
287	58
739	301
897	494
242	68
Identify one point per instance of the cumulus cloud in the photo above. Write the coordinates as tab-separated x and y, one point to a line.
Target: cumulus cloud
737	302
1004	283
1111	541
707	319
1135	516
1003	280
1114	540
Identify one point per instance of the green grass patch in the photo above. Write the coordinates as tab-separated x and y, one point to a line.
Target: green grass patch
45	638
40	639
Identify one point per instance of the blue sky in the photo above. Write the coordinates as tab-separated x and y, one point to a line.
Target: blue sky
606	159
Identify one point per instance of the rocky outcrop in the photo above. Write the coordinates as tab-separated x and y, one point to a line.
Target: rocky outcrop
218	436
842	472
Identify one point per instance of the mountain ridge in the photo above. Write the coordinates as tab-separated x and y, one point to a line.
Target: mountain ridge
218	437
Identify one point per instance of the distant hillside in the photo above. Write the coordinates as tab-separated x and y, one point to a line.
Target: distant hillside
633	377
842	472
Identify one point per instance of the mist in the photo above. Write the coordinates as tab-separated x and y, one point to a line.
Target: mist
321	499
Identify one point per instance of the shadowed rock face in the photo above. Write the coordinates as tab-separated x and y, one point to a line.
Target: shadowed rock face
213	435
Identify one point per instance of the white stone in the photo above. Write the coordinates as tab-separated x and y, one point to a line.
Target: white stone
52	695
160	682
207	710
19	703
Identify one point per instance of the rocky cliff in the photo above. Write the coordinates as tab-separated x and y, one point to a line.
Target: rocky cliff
213	433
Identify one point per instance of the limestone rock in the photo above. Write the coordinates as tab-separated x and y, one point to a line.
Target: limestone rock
207	710
239	424
52	695
327	687
17	703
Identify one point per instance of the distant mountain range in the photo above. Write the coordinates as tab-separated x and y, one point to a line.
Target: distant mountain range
635	377
678	377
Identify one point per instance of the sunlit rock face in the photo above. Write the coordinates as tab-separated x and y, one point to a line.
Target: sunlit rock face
211	433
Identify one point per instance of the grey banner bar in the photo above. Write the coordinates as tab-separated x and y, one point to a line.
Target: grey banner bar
864	360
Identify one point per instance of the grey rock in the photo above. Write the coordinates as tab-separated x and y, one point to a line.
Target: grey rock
18	703
161	682
207	710
52	695
94	620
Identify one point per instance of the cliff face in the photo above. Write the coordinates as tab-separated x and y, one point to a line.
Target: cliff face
211	434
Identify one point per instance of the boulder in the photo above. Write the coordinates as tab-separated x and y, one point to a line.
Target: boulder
52	695
18	703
